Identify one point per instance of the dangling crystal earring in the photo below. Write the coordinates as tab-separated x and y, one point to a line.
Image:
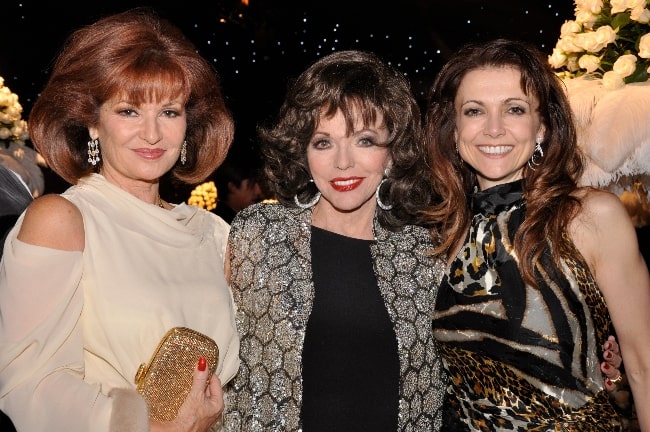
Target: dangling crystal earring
458	156
310	203
93	151
184	152
379	202
537	156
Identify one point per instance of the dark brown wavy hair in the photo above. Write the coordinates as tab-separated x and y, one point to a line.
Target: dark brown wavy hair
548	189
357	83
142	57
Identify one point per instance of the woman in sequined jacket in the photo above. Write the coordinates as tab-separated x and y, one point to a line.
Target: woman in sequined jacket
335	285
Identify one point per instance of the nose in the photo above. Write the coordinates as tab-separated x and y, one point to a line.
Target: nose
343	159
150	130
494	126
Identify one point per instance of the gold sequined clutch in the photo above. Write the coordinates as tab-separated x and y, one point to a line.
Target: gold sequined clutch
166	380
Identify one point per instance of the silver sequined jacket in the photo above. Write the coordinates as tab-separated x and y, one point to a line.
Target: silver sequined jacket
273	290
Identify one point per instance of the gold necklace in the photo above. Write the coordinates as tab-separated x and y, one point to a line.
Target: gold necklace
160	203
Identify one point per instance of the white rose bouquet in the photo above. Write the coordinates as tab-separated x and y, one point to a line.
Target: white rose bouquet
15	154
608	40
12	126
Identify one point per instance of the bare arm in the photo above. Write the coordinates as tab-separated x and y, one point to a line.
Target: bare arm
604	234
53	221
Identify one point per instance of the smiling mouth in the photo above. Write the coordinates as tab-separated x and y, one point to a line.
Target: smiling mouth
495	150
149	153
346	185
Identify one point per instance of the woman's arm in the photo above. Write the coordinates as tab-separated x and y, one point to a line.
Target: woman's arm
42	357
604	234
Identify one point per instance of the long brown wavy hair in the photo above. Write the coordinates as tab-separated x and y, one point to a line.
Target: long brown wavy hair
548	189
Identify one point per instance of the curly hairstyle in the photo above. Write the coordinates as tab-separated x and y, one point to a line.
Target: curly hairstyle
548	189
142	57
359	84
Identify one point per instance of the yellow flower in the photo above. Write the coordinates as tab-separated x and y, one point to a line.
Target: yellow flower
204	196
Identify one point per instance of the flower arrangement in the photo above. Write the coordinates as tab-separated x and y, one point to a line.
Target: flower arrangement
12	126
204	196
608	39
15	153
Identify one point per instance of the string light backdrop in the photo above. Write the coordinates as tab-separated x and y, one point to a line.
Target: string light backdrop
258	45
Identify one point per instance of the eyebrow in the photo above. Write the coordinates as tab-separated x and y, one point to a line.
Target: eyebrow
508	100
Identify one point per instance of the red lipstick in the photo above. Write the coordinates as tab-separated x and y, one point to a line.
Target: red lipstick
346	184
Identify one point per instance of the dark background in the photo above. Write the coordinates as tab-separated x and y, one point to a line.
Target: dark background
258	48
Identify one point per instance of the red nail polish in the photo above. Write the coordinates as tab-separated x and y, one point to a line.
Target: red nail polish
608	355
202	364
606	366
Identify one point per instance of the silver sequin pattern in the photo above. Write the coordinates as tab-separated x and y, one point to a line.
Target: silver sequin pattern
273	290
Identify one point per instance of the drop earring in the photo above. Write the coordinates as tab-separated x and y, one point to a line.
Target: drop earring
93	151
537	156
184	152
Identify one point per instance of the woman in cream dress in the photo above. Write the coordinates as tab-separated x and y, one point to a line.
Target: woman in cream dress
93	278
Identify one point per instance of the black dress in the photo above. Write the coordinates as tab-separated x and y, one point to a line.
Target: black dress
350	359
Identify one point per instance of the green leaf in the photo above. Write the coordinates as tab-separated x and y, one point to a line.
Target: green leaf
620	20
640	74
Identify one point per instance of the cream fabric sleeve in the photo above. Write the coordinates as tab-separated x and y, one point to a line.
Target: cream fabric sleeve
41	343
229	353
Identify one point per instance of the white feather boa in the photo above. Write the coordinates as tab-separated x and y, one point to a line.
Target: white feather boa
613	131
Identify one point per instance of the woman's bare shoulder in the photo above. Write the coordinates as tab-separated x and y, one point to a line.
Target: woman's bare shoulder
55	222
602	221
600	206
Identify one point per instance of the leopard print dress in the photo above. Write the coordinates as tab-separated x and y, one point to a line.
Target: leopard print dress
520	358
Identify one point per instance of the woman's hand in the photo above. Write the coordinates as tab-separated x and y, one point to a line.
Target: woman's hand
611	365
202	407
616	382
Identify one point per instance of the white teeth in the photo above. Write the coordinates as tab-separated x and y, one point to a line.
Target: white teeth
345	182
495	149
